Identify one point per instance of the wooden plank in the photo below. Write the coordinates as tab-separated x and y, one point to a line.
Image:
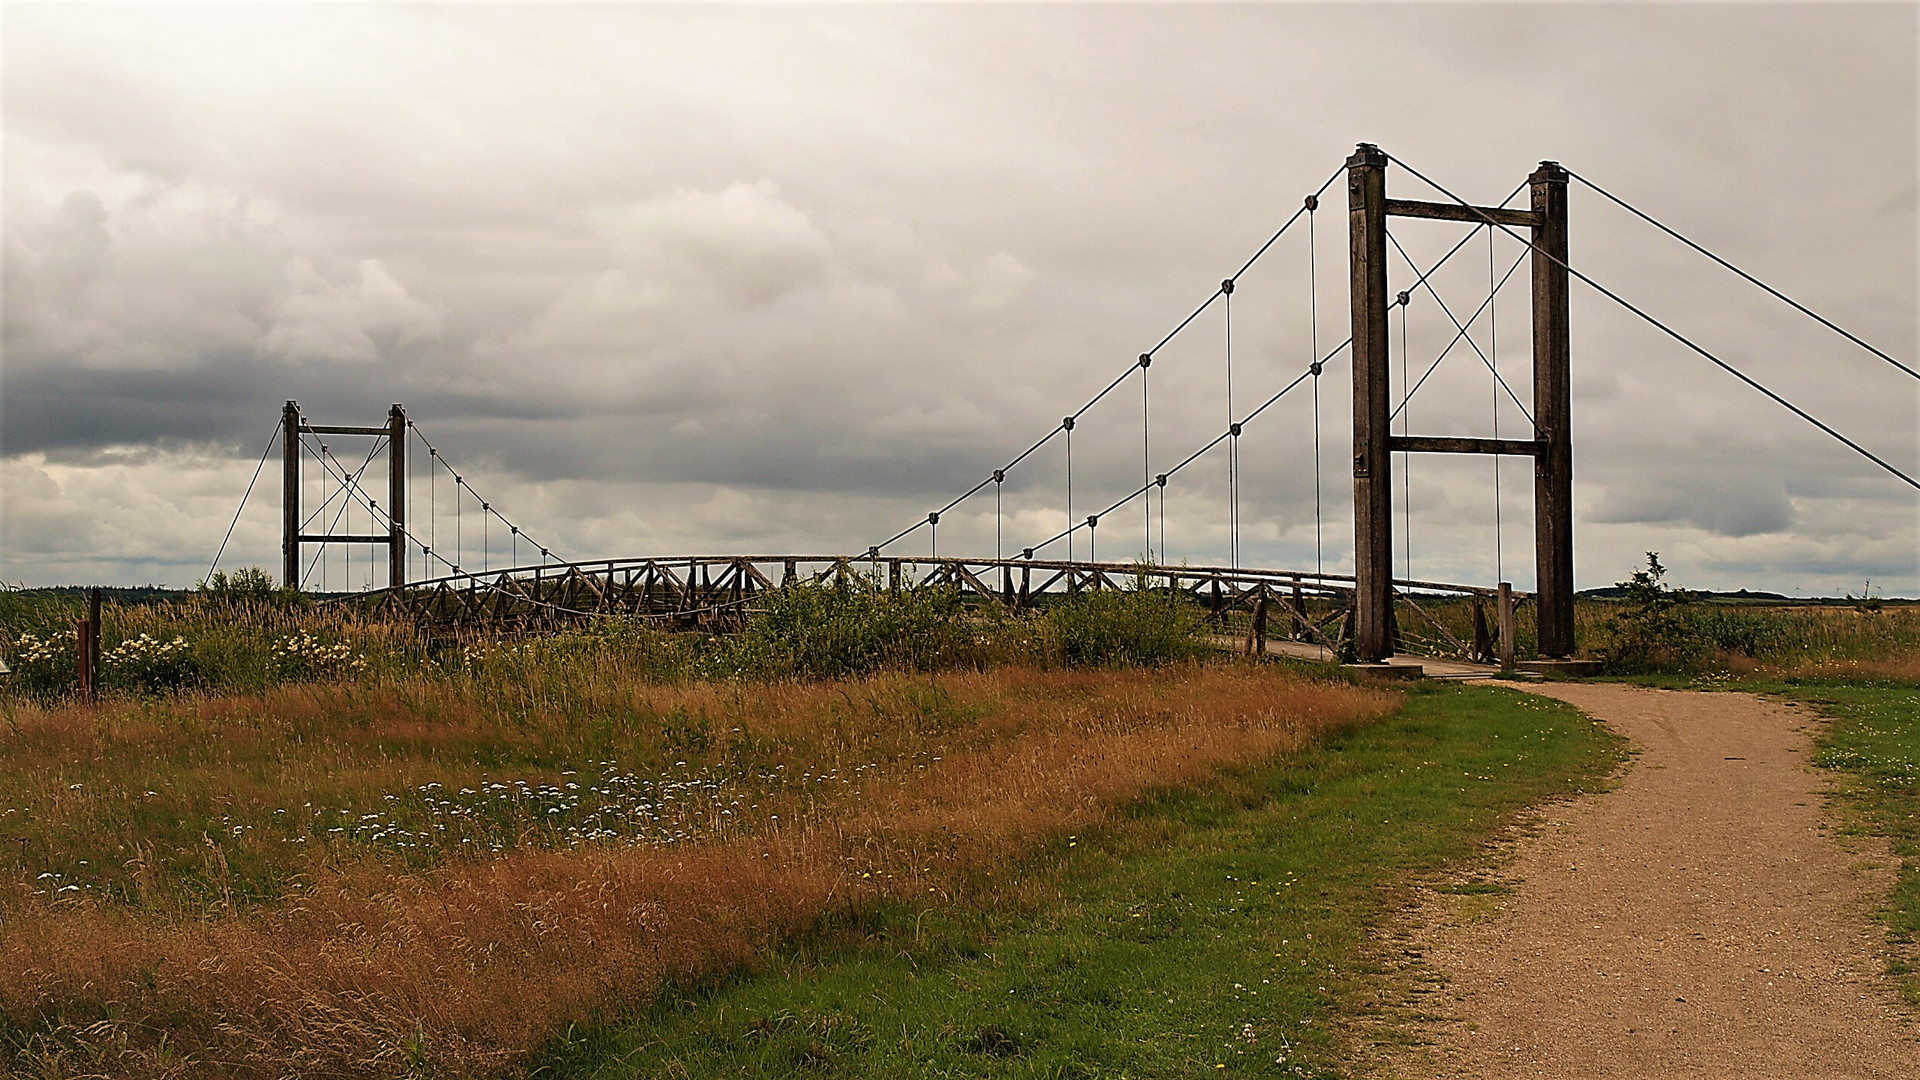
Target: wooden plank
967	576
1475	215
340	429
1442	444
754	571
344	538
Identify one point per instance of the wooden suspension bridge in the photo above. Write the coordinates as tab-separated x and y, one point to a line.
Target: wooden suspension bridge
1368	615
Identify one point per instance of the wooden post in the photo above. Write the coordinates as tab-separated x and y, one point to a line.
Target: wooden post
397	496
1299	611
1372	482
1552	408
290	496
1505	616
1482	638
1257	629
87	646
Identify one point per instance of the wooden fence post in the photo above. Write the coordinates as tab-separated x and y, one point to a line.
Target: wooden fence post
86	634
1506	626
1257	629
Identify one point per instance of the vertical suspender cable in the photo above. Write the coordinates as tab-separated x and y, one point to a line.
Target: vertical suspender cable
1493	361
1406	457
1313	330
1146	463
999	478
1233	443
1067	424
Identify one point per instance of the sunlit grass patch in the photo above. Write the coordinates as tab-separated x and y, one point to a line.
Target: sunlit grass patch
1227	932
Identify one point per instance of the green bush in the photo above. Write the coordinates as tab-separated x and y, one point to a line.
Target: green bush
836	629
1118	628
42	665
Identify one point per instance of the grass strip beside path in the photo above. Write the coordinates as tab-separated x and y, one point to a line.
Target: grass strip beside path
1875	740
1229	932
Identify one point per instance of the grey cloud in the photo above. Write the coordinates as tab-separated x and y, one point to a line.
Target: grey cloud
712	277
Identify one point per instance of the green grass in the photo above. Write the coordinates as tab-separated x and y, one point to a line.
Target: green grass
1875	740
1225	933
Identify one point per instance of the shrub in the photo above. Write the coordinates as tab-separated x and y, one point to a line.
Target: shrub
150	664
839	629
43	665
1652	633
1116	628
300	655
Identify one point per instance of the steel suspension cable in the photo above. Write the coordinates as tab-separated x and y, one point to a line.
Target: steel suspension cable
1233	446
1460	335
1406	457
264	454
348	484
1461	329
1161	480
1146	356
1493	349
487	509
1675	334
1069	430
1146	465
1313	334
1775	293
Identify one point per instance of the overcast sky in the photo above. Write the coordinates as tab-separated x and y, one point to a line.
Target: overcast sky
762	279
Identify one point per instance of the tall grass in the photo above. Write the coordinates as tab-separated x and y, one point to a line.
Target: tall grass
252	640
400	877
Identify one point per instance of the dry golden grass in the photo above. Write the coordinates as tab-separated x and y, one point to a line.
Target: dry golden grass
375	965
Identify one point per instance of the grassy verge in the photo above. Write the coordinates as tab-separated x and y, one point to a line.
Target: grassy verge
1219	933
1874	740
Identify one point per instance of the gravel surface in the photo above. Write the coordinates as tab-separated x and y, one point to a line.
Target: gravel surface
1699	920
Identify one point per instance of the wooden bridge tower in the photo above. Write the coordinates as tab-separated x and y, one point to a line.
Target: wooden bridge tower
292	539
1373	442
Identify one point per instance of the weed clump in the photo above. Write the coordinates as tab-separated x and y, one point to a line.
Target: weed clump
1124	628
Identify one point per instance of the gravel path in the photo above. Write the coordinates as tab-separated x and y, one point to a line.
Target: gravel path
1697	921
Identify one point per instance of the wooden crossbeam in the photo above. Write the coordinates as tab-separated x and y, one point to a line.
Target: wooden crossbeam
1476	215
